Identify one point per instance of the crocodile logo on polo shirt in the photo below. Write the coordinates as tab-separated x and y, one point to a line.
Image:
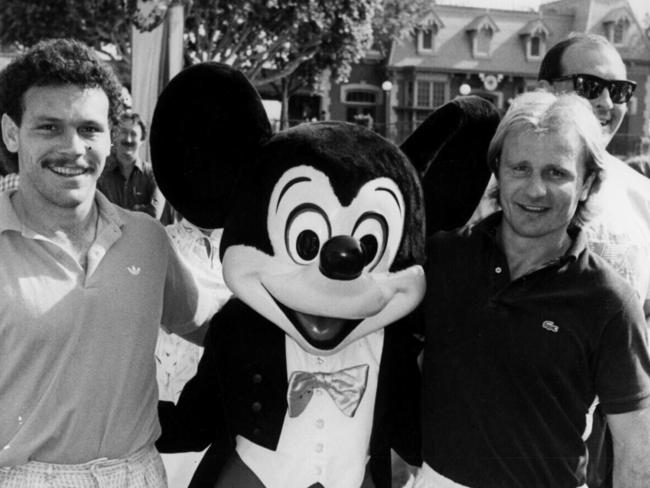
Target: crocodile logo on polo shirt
134	270
550	326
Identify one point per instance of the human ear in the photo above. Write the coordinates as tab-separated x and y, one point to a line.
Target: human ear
9	133
586	186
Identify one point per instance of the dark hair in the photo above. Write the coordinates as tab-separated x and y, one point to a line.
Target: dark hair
56	62
551	66
135	118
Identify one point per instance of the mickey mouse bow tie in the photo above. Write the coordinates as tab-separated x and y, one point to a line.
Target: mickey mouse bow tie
346	387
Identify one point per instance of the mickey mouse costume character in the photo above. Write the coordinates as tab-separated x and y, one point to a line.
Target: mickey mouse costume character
309	375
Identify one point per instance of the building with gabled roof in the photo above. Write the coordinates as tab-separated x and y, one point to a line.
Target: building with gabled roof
493	53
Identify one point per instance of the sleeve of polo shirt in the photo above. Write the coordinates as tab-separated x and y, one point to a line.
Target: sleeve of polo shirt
185	305
623	361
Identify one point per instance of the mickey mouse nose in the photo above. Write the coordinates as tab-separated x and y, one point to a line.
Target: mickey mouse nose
342	258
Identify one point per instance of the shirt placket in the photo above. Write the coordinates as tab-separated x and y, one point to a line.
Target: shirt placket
319	444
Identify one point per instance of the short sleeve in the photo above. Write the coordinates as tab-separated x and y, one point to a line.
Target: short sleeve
623	361
184	309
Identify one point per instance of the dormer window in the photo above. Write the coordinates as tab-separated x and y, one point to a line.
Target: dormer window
482	41
427	40
616	25
426	33
618	35
534	35
535	47
481	31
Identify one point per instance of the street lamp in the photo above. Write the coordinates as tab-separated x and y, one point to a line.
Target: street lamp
387	86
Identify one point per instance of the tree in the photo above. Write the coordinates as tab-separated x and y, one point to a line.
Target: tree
102	24
269	39
287	43
397	19
390	19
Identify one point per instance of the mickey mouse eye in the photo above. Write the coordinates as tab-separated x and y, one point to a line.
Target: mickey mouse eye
306	230
307	245
372	231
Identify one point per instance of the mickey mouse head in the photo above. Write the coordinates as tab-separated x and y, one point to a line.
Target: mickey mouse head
324	223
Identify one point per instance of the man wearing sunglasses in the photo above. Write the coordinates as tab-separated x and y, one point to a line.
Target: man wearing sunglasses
591	67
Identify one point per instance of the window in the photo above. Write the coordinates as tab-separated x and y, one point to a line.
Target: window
534	35
423	94
426	32
618	36
427	40
535	46
482	41
616	26
439	88
359	96
361	101
431	94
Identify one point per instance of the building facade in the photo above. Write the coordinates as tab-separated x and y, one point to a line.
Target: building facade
492	53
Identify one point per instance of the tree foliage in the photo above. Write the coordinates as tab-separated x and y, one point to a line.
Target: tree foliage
270	39
102	24
285	43
397	19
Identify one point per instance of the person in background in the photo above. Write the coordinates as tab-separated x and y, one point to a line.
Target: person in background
511	375
86	285
128	181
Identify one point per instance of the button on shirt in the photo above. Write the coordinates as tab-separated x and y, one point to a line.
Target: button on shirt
77	372
321	444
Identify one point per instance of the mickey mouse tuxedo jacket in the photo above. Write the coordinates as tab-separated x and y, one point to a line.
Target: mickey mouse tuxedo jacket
241	389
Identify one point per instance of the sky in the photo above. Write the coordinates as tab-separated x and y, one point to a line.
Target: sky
640	7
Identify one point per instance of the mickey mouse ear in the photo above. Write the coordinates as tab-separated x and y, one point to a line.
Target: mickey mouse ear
207	128
449	149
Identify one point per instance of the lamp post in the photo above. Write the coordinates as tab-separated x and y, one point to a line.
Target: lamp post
387	86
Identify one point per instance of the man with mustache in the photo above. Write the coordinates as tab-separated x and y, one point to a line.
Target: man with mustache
84	285
129	182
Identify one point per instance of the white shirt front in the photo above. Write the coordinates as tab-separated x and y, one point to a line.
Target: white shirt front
620	230
321	444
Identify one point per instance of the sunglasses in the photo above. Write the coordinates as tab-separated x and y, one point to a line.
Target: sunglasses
590	87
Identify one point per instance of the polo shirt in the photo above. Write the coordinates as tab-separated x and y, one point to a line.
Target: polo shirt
139	189
77	370
512	368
